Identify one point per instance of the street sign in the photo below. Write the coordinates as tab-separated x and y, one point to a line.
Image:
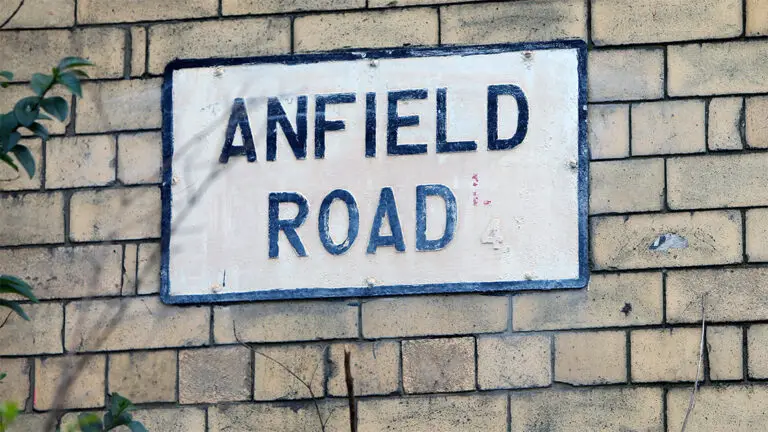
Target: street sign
368	173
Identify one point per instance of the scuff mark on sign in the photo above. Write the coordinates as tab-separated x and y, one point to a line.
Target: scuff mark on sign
492	234
667	241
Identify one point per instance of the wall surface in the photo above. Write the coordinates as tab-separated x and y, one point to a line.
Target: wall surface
678	129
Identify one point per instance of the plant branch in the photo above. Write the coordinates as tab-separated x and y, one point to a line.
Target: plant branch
7	20
692	401
350	391
287	369
5	321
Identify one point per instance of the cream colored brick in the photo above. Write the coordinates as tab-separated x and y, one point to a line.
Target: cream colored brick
712	237
400	3
80	161
12	180
731	295
475	412
602	304
724	350
757	234
67	272
272	381
717	68
757	18
39	335
375	368
366	29
518	21
105	11
86	389
131	323
214	375
144	376
29	423
130	257
115	214
245	7
148	280
172	419
98	45
439	365
757	339
733	408
31	218
296	417
16	92
15	386
39	13
645	21
231	38
626	186
756	113
668	127
140	158
626	74
725	117
434	315
283	322
604	409
591	358
608	131
514	361
119	105
734	180
665	354
138	51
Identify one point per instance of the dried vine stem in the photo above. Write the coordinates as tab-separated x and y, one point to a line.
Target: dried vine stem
350	390
308	385
16	11
692	401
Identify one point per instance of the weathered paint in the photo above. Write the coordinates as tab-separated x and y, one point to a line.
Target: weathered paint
330	206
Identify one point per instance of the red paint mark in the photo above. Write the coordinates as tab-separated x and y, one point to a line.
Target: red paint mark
475	180
475	199
487	202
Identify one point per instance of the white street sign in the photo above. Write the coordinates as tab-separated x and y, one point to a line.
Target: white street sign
374	173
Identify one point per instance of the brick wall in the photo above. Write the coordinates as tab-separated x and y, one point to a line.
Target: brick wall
677	118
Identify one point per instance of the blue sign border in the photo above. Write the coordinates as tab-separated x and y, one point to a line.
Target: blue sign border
389	290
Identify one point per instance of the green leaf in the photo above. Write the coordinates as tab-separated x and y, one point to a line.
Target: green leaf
7	159
8	123
3	375
14	285
26	159
7	75
79	73
26	110
119	404
89	422
70	81
14	306
135	426
39	130
10	141
56	106
9	411
42	116
40	83
70	62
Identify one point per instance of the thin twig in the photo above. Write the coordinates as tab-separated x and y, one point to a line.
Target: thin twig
695	389
350	391
7	20
5	321
293	374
